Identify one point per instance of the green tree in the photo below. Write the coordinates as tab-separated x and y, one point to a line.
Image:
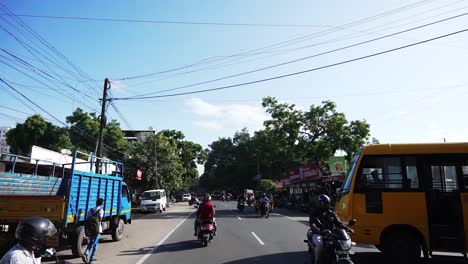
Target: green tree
166	160
36	131
290	138
84	130
266	185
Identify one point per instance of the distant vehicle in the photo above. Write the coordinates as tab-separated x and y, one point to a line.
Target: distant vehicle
153	200
186	197
216	195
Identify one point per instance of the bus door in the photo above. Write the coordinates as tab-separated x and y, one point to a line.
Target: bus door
445	216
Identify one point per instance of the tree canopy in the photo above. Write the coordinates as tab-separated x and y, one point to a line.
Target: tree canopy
290	138
166	160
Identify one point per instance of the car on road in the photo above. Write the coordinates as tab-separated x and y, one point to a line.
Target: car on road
153	200
186	197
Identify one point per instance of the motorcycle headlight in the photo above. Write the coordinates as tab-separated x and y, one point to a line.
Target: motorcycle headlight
345	244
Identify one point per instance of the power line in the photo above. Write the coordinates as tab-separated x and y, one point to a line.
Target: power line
12	109
291	41
237	61
169	22
58	89
305	58
47	44
300	72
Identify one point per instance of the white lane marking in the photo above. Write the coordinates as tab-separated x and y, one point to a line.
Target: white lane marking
239	217
258	239
286	217
145	257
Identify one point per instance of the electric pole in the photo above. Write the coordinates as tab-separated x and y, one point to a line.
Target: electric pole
103	121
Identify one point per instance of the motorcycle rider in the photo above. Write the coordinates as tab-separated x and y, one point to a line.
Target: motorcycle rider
327	216
205	211
30	234
264	200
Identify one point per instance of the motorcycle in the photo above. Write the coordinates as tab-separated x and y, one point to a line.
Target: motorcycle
265	209
336	246
205	232
194	201
52	253
241	206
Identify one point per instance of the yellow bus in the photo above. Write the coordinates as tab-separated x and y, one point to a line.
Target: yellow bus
407	198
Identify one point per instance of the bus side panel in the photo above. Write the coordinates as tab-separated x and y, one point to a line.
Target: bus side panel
398	208
464	203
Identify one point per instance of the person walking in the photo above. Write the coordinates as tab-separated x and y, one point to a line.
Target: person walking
96	214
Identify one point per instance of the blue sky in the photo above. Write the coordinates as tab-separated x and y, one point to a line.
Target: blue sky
413	95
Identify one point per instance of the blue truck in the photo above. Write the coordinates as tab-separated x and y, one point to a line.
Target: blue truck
63	193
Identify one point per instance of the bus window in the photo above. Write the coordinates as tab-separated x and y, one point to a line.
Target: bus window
412	180
382	173
465	176
444	178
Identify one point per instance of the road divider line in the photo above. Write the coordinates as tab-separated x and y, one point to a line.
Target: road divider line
258	239
290	218
239	217
155	248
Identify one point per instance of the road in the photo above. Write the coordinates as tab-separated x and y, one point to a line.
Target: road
242	238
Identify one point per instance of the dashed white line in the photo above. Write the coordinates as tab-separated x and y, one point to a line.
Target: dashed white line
258	239
239	217
145	257
290	218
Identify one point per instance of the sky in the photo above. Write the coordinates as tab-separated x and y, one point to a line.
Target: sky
416	94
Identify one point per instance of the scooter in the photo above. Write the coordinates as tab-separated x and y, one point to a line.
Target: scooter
194	201
205	232
241	206
336	247
265	210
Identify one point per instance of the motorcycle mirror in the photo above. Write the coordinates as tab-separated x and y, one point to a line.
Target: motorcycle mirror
352	222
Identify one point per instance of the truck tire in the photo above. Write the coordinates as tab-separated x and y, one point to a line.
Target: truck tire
401	247
118	231
79	242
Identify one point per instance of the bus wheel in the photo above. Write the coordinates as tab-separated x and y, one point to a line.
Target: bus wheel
401	247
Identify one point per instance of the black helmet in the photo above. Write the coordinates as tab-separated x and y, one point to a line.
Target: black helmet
324	201
34	230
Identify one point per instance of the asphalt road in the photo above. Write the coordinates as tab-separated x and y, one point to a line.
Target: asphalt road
242	238
247	238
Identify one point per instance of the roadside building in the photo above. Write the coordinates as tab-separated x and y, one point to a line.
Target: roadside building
3	144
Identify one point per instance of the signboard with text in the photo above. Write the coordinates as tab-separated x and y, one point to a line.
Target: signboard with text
139	173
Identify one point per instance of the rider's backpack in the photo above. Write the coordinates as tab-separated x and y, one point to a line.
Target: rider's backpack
92	223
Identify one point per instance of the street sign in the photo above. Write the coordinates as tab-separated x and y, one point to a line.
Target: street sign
139	174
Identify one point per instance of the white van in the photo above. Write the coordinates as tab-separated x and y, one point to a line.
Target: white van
153	200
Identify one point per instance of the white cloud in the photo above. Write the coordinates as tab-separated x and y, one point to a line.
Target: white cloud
118	87
227	117
203	108
208	124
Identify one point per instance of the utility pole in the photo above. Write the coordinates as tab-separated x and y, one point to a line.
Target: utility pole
103	121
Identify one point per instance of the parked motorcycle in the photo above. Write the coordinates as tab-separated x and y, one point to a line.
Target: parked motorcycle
265	210
336	246
205	232
241	206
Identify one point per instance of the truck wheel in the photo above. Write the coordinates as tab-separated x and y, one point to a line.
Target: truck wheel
118	231
79	242
401	247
